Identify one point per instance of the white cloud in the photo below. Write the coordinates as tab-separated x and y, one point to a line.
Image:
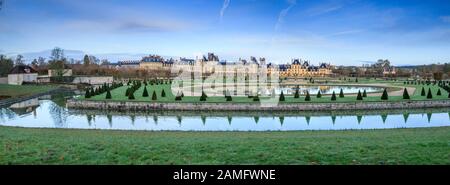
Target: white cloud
224	7
446	18
283	14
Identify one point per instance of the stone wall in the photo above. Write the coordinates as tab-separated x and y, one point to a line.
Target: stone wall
4	80
93	80
146	106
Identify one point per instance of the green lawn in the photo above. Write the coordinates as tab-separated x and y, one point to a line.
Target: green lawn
119	95
65	146
14	91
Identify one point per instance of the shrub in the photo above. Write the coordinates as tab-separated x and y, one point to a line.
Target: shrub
154	96
228	98
422	93
359	97
178	98
364	93
87	94
439	92
333	96
203	97
127	92
145	93
297	94
131	96
182	94
384	96
307	97
256	98
429	95
341	94
108	94
163	93
281	96
405	94
319	95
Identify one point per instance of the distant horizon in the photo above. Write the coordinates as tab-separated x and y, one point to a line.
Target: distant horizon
112	57
341	32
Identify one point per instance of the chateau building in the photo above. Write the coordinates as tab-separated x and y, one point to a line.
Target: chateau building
299	68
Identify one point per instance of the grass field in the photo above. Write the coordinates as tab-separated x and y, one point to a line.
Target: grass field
14	91
65	146
119	95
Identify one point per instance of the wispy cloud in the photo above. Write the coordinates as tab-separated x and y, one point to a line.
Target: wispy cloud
445	18
224	7
124	25
283	14
347	32
323	9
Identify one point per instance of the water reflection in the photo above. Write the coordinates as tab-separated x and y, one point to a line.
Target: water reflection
51	114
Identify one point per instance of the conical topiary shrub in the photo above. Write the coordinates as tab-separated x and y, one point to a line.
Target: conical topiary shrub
163	93
281	96
429	95
405	94
439	92
359	96
108	94
384	96
154	96
307	97
203	96
364	94
297	94
131	96
341	94
319	95
87	94
145	93
422	93
333	96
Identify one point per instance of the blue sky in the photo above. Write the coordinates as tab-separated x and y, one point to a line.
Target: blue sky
338	31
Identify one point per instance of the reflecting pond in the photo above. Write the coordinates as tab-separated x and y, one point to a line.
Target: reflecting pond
50	112
328	89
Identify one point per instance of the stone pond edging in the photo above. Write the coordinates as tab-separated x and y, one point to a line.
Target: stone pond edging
147	106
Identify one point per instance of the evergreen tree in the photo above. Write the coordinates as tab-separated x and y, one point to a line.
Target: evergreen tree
281	96
307	97
319	95
297	94
359	96
422	93
341	94
405	94
333	96
364	93
439	92
203	97
163	93
131	96
145	93
154	96
108	94
87	94
429	95
384	96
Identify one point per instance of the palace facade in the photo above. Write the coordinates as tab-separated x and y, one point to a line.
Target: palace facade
211	64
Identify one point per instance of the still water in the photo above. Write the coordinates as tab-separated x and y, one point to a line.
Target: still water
328	89
51	113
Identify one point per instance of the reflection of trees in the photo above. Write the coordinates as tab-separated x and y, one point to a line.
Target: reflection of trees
109	117
155	119
6	114
405	117
281	120
58	114
256	119
429	114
